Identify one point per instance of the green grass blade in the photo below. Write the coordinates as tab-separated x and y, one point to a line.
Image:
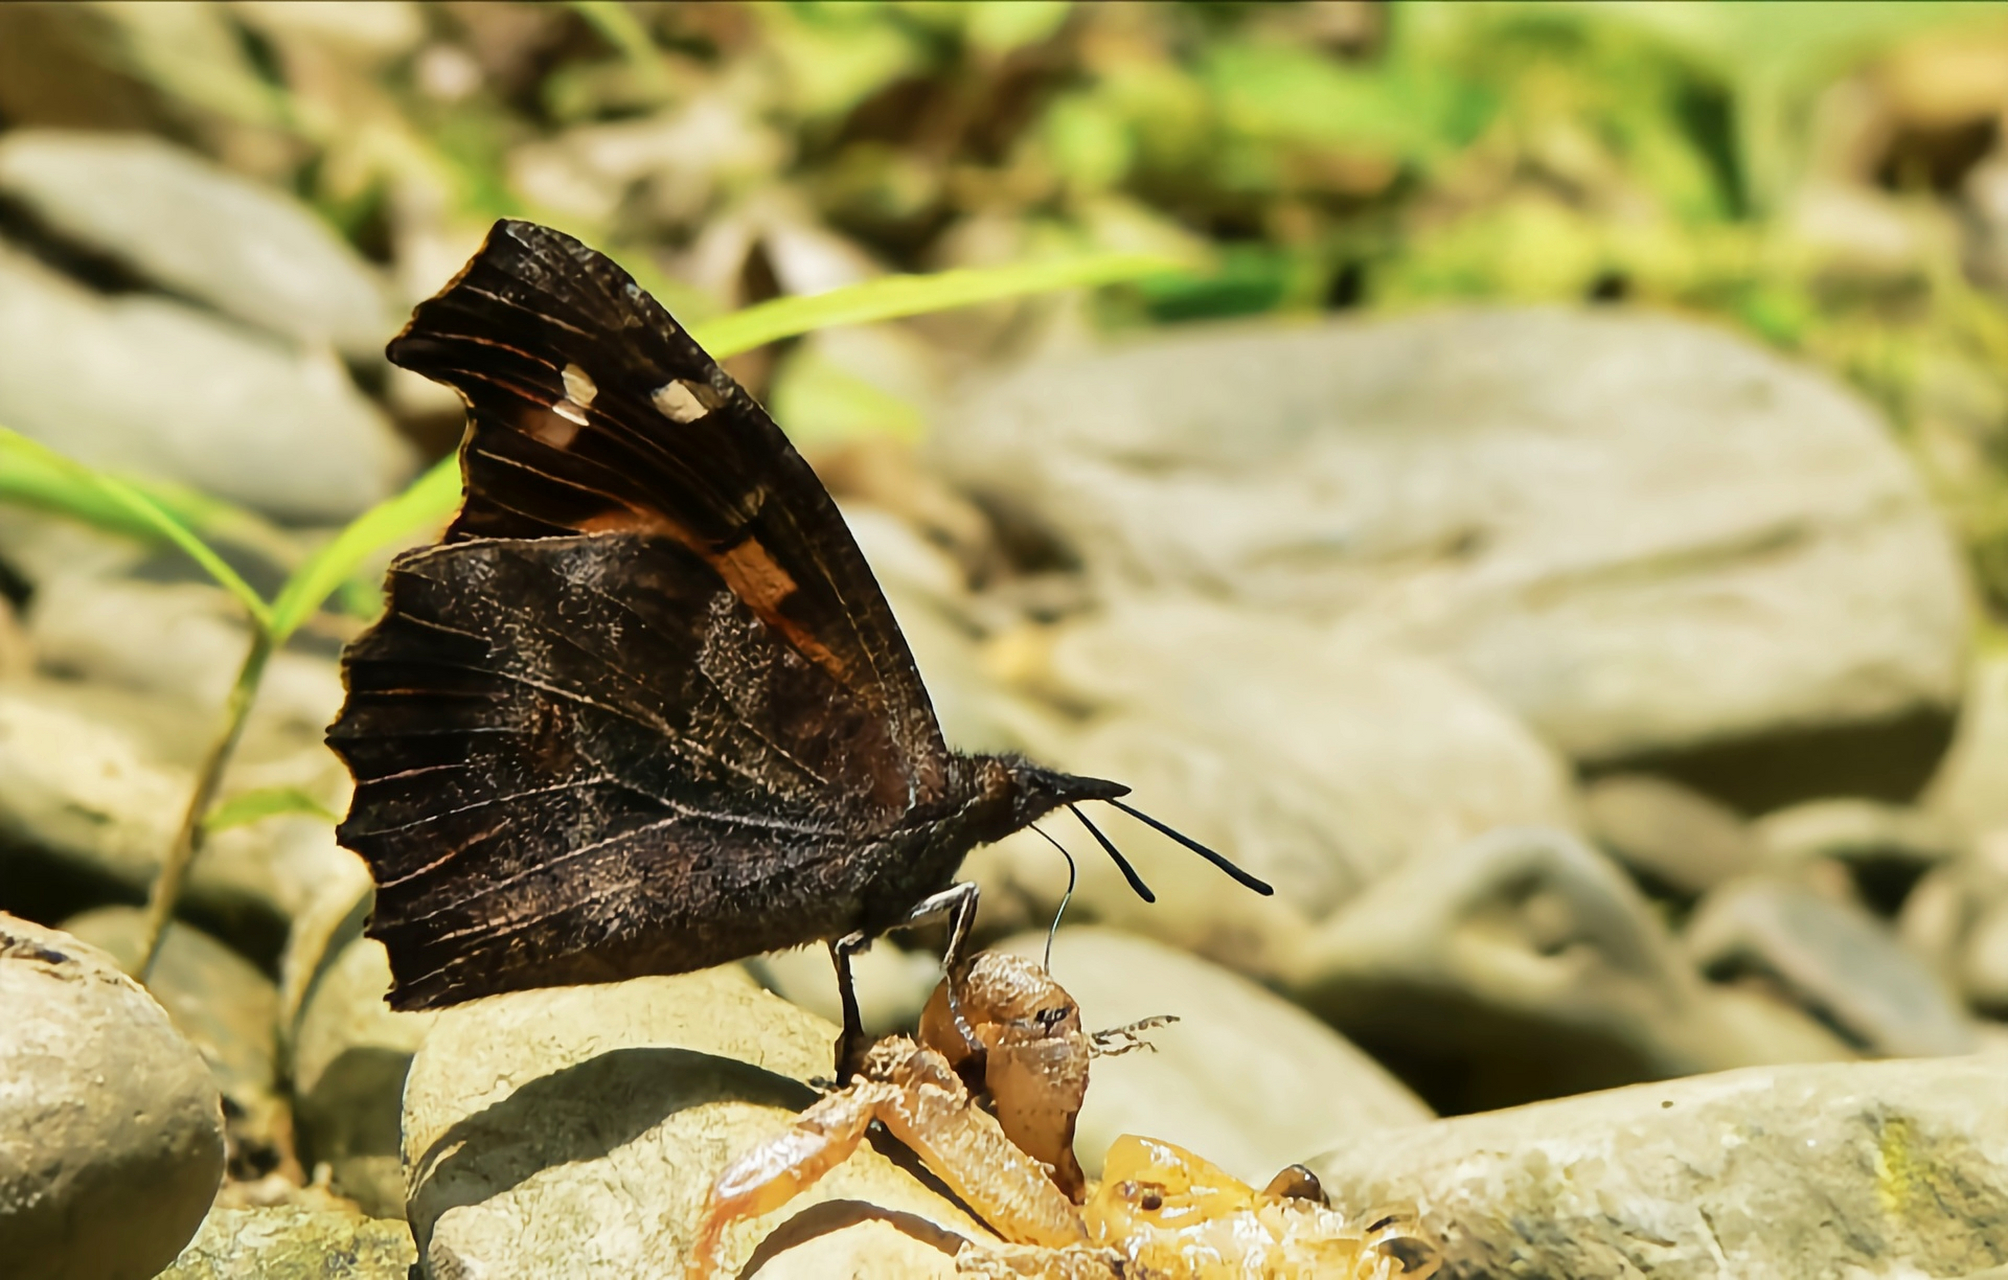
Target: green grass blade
266	802
33	473
430	500
890	297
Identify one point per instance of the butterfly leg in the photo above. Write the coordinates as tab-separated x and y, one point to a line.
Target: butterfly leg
958	903
851	1044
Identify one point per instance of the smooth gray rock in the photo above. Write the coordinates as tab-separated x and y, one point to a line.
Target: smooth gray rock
1244	1077
1526	965
287	1242
349	1051
1984	963
1645	534
228	1010
151	387
1318	763
1836	959
185	639
1855	832
576	1131
932	603
350	1055
178	220
111	1130
93	783
1667	833
1857	1169
1970	790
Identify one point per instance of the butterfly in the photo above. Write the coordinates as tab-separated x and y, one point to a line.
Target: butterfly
643	709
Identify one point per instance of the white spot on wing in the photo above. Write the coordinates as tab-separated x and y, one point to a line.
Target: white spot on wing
579	385
579	392
676	401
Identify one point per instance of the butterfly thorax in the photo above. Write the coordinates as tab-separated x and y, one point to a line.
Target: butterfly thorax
986	798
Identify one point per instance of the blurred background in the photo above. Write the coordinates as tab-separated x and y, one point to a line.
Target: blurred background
1553	523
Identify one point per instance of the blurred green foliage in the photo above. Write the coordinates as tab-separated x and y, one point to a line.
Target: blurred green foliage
1804	172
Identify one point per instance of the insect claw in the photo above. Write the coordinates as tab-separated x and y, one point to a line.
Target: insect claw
1127	1038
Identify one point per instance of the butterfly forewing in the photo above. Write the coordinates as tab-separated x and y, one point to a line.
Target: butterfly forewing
591	410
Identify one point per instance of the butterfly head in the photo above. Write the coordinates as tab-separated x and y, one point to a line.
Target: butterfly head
1008	785
1028	792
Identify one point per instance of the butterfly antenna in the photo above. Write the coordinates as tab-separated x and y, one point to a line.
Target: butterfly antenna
1122	863
1262	887
1065	898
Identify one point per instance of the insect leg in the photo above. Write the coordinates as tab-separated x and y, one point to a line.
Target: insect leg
958	903
851	1045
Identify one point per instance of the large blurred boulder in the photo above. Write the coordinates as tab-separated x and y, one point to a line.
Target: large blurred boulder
1655	540
93	783
1971	789
1669	836
1836	960
177	220
187	639
1317	762
1857	1169
153	387
1525	965
111	1132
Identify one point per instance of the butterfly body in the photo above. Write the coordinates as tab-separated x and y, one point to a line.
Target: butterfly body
644	709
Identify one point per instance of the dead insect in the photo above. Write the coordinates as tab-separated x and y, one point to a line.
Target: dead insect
988	1101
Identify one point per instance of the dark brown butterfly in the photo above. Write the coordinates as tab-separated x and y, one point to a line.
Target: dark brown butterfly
644	709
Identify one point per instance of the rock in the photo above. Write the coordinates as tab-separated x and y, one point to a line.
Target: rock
1970	790
1950	921
17	651
1654	540
1853	830
1835	959
1984	966
925	587
350	1056
111	1132
892	983
1316	763
1857	1169
1668	835
229	1011
286	1242
332	917
151	387
200	231
1244	1078
1526	965
182	638
349	1050
575	1131
93	783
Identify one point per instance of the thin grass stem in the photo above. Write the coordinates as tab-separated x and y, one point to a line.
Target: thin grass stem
181	854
